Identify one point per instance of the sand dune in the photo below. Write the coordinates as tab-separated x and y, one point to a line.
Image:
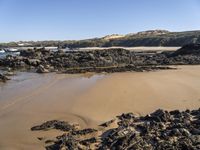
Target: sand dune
88	100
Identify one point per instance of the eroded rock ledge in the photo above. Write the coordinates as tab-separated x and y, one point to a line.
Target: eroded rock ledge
158	130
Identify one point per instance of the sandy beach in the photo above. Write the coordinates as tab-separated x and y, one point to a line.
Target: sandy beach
88	99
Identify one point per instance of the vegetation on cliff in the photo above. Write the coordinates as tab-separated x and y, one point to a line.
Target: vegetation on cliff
146	38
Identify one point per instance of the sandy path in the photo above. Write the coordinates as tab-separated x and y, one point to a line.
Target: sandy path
89	100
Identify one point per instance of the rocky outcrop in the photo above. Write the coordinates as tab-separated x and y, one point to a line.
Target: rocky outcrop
190	49
108	60
158	130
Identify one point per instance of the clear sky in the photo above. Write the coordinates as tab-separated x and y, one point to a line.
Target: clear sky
80	19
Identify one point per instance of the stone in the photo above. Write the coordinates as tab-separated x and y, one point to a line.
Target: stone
84	131
42	69
54	124
3	78
160	115
195	131
87	142
33	62
9	73
108	123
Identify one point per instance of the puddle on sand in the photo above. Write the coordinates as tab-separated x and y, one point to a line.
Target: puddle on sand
25	82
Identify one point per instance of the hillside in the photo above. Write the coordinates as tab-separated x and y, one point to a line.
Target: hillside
145	38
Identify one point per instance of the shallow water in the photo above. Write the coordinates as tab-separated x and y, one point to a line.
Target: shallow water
24	82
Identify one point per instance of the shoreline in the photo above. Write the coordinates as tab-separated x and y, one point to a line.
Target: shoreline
105	60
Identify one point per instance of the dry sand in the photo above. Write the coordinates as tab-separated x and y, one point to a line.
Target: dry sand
31	99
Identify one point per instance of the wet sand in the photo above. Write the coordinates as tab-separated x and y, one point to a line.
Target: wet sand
31	99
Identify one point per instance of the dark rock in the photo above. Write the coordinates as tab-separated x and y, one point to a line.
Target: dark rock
33	62
126	116
195	131
84	131
159	130
107	60
42	69
54	124
160	115
3	78
107	124
40	138
175	112
190	49
87	142
184	132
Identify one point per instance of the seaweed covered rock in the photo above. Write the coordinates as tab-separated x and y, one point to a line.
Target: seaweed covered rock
158	130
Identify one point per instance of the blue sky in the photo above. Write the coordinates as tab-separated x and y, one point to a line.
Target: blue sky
80	19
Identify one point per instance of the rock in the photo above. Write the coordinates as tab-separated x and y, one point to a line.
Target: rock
108	123
175	112
159	130
42	69
126	116
9	73
106	60
87	142
189	49
160	115
33	62
195	131
195	112
195	139
185	132
40	138
3	78
84	131
30	53
54	124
